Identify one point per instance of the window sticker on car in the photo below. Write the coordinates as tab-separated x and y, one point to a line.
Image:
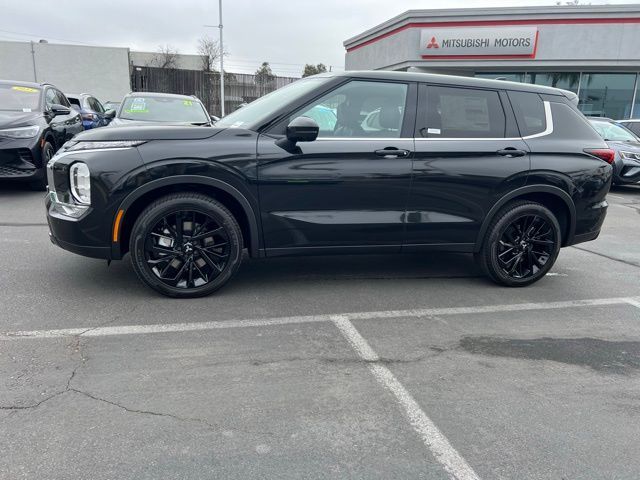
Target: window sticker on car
433	131
187	103
26	110
138	105
18	88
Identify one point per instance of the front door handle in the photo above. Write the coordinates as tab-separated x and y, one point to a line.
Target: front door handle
511	152
391	152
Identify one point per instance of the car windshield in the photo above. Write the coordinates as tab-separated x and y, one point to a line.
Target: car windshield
259	110
163	109
611	131
19	98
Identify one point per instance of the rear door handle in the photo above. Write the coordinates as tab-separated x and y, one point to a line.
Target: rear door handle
511	152
390	152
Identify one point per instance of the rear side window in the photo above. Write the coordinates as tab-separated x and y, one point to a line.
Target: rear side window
453	112
633	126
529	110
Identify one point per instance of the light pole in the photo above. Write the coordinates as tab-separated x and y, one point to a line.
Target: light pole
219	26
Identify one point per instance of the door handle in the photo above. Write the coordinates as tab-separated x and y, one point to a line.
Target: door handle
390	152
511	152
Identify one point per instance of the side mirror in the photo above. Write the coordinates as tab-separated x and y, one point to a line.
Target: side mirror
110	113
57	109
302	129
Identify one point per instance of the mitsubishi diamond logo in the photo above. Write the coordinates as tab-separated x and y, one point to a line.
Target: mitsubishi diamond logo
433	43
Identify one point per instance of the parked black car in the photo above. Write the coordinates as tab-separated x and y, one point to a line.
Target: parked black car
93	113
144	108
507	171
35	120
626	145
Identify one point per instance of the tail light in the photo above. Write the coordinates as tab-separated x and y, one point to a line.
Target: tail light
606	154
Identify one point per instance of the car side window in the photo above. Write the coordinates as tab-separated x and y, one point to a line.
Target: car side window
50	97
456	112
359	109
95	105
633	126
529	110
61	99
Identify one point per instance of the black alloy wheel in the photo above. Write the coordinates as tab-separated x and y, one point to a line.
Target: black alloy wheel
521	245
186	245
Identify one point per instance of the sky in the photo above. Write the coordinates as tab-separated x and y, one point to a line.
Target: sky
285	33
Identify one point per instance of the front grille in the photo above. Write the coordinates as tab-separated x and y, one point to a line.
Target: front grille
8	171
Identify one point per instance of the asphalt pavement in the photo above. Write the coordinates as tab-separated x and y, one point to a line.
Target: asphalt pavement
364	367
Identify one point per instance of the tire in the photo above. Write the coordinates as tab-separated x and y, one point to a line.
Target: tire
512	259
205	259
41	184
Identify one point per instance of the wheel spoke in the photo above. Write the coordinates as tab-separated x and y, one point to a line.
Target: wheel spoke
208	234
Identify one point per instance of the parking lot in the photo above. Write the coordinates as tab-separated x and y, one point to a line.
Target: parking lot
408	366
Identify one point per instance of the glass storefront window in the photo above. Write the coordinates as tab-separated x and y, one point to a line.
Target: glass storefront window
510	77
607	94
636	107
565	80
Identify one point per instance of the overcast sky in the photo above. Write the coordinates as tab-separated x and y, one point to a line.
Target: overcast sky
286	33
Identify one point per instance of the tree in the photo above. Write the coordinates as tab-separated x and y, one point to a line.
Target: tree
210	51
310	69
165	57
264	77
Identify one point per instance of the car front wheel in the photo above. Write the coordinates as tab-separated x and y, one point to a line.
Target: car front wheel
521	244
186	245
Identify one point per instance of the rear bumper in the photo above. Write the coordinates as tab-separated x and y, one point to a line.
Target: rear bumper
589	223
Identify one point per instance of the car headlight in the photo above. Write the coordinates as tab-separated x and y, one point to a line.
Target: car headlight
20	132
76	146
80	182
630	155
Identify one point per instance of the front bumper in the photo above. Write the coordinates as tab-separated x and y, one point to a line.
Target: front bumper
69	235
20	159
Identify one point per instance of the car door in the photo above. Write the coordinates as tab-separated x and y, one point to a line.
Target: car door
348	188
468	153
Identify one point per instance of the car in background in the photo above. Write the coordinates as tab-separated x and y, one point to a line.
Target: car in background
142	108
35	121
93	113
625	143
109	105
632	124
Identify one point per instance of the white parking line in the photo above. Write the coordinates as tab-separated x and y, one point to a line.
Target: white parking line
633	302
217	324
453	463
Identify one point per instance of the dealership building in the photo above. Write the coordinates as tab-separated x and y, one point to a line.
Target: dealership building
593	51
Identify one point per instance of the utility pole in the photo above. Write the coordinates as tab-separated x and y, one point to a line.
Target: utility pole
221	60
219	27
33	59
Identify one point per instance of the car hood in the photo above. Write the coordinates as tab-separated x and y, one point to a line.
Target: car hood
147	132
627	146
17	119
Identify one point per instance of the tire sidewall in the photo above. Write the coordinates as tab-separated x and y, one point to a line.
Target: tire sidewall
491	255
149	218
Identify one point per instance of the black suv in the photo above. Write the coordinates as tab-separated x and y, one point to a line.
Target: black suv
35	120
405	162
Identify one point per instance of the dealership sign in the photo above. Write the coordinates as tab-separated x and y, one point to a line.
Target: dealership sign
516	42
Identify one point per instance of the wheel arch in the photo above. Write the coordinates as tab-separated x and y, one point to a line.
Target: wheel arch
554	198
227	194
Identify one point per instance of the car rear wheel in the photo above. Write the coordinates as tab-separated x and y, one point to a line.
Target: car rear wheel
521	244
186	245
